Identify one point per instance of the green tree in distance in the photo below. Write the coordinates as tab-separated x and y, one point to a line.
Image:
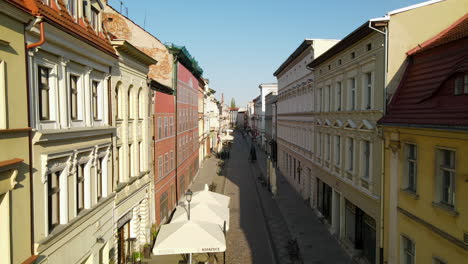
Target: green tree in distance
233	103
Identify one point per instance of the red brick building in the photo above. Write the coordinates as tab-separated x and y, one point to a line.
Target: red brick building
187	127
164	151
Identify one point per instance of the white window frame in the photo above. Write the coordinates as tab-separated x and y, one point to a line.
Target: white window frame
53	121
352	94
339	94
367	93
408	185
367	156
160	167
439	180
337	150
350	157
403	252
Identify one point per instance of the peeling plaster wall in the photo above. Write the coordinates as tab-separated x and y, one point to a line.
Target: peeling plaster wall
124	28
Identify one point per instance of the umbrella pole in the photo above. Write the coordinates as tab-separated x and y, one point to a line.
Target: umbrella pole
190	258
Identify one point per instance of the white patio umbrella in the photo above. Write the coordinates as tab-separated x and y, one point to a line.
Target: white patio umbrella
189	237
210	213
210	197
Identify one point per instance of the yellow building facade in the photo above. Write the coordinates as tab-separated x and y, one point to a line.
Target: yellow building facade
15	216
437	232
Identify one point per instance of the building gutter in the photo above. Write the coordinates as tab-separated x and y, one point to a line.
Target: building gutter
174	87
383	20
42	34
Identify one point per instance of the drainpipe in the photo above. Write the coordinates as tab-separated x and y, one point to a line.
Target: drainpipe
382	179
31	182
42	32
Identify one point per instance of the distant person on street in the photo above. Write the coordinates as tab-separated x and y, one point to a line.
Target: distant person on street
253	154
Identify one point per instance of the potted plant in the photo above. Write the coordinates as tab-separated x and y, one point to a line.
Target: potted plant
147	251
136	257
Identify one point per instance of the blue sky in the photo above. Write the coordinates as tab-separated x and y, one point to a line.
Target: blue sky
240	43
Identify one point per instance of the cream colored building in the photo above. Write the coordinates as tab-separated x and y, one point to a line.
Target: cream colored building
346	145
132	111
295	106
15	180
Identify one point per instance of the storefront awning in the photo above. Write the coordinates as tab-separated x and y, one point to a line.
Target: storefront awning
189	237
210	197
210	213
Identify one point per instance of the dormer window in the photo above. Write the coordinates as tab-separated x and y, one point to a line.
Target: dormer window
46	2
71	6
95	18
85	8
461	84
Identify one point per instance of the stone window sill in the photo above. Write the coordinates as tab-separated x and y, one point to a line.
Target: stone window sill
411	193
446	208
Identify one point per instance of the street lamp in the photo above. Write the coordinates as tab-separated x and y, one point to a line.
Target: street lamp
188	197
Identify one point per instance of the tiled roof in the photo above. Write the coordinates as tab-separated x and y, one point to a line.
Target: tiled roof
425	96
57	15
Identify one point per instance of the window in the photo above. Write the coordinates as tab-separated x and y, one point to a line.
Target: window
407	251
337	150
85	8
119	165
99	175
366	152
118	103
140	156
353	55
338	96
368	91
350	154
71	6
80	171
95	101
446	177
44	103
165	126
74	97
53	199
411	167
328	98
320	100
130	104
160	167
172	160
461	84
163	206
171	126
369	46
328	147
95	18
339	62
159	128
140	104
352	94
166	163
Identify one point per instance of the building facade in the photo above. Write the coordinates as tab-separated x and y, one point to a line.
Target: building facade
15	178
348	96
164	151
131	108
294	111
426	124
265	88
73	183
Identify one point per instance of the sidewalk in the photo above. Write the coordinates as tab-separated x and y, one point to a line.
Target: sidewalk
316	244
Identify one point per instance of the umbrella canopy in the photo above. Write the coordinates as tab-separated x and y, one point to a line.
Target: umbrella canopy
189	237
203	212
210	197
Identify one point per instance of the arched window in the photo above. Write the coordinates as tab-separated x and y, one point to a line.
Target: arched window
140	104
130	103
118	101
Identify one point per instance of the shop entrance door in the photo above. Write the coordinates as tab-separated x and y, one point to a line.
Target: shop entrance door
121	245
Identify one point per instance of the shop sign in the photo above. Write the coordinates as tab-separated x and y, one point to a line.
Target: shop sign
124	219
